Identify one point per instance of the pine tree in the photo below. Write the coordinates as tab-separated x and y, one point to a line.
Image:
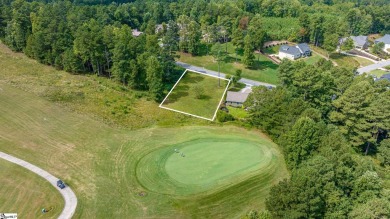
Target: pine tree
249	57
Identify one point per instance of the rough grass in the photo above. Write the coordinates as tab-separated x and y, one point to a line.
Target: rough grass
101	163
100	97
98	160
238	113
362	61
265	70
272	49
26	193
184	98
344	60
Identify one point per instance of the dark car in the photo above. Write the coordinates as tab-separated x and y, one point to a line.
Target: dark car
60	184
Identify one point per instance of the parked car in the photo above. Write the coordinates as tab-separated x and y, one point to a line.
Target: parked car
60	184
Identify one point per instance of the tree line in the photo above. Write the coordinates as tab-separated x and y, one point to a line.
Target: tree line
325	118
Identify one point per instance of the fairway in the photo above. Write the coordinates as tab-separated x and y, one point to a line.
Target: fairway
183	97
108	167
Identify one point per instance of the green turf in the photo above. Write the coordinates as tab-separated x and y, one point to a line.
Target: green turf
101	161
184	99
265	70
239	113
314	58
26	193
378	72
272	49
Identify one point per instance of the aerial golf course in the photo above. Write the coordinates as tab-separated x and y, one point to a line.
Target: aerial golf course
127	172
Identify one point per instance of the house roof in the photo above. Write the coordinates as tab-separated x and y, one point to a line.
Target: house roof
385	39
385	76
292	50
303	47
357	40
236	97
136	33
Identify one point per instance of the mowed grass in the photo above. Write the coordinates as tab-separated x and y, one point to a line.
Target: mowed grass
265	70
378	72
26	193
314	58
101	162
184	98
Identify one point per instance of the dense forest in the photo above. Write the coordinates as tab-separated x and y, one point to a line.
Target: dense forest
326	120
96	36
324	117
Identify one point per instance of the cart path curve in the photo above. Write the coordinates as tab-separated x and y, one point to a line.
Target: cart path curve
67	193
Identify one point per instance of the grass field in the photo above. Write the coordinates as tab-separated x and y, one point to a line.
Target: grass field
377	72
183	97
265	69
102	162
26	193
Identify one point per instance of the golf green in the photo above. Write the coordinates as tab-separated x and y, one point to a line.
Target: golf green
201	164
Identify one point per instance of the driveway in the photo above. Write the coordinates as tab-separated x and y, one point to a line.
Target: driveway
373	66
214	73
67	193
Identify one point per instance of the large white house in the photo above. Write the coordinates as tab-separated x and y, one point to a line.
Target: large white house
385	39
294	52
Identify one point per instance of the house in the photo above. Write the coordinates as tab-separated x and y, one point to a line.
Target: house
236	99
359	42
386	40
294	52
385	77
136	33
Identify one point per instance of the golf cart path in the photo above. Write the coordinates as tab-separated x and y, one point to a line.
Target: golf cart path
67	193
214	73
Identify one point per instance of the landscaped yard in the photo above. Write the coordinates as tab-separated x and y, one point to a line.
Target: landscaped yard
184	96
265	70
378	72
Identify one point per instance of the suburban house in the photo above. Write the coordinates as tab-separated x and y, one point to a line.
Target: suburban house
359	42
385	77
386	40
136	33
294	52
236	99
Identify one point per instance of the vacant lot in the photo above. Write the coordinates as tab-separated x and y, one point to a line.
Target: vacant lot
102	162
26	193
186	98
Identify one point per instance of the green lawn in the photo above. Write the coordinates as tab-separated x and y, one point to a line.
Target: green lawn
265	70
362	61
238	113
314	58
85	142
26	193
378	72
272	50
344	60
183	97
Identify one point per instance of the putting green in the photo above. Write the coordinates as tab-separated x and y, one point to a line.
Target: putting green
201	164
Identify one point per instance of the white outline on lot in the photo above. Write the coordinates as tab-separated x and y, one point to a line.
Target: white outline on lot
189	114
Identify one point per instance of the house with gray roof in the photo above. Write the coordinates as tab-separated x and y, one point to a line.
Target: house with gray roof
385	77
359	42
385	39
294	52
236	99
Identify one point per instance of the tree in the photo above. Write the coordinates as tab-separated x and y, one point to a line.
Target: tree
249	57
236	77
154	77
330	43
219	56
198	90
348	44
378	48
303	139
384	152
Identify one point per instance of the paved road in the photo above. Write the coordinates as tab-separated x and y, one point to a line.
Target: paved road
214	73
69	196
373	66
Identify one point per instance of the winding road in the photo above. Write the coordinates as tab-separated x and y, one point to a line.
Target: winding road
214	73
67	193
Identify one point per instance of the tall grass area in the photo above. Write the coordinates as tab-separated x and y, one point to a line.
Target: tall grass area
101	97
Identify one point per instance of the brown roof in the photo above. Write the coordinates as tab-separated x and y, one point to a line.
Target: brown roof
236	97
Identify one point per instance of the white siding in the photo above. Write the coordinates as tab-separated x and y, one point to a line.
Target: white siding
283	55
